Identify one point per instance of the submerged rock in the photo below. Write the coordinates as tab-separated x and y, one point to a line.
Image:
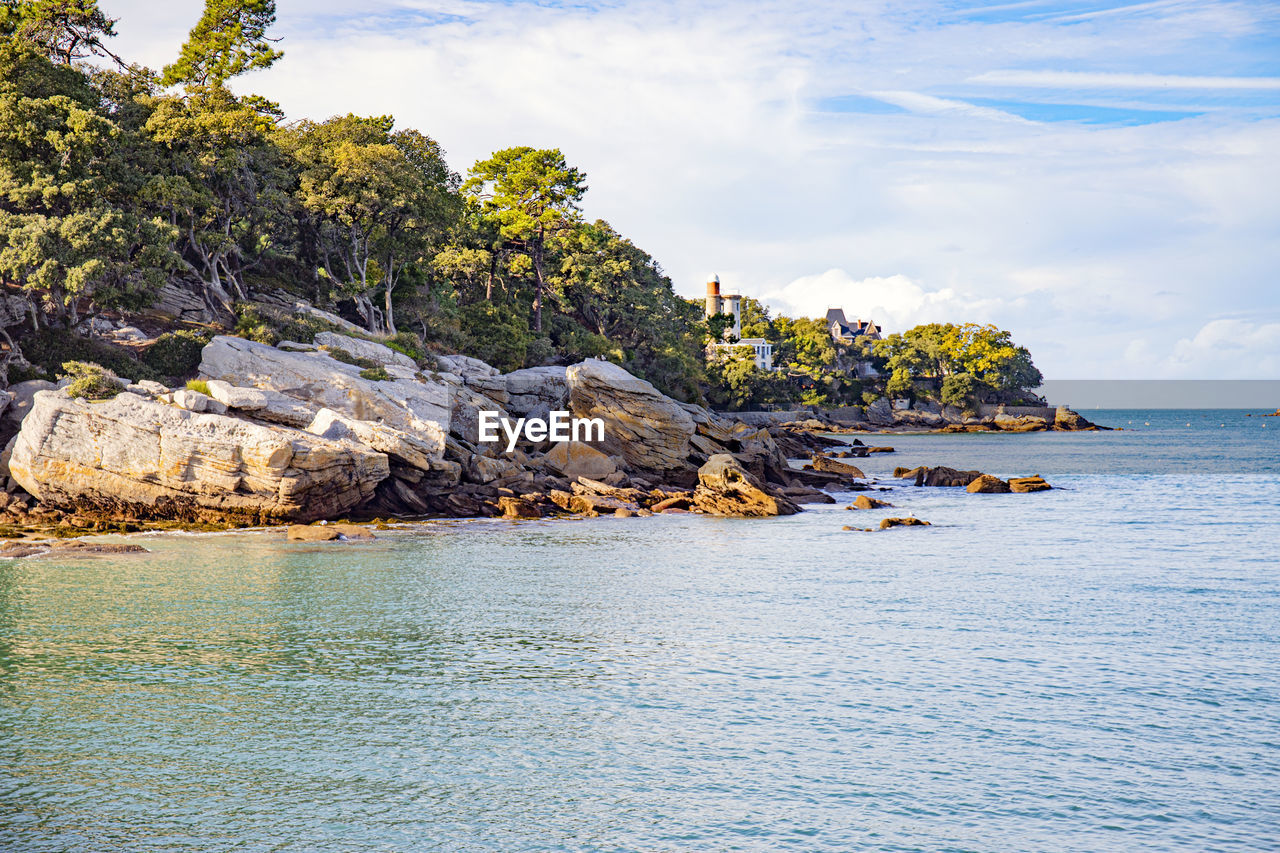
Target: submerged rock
16	549
327	532
864	502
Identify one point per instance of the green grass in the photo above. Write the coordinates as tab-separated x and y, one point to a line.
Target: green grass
198	385
347	358
376	374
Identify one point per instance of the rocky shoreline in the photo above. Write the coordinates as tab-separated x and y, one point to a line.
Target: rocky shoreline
349	429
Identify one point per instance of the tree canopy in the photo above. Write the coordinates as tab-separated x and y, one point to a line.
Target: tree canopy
528	194
229	39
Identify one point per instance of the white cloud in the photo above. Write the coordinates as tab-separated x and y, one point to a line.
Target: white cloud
1229	348
1103	80
894	302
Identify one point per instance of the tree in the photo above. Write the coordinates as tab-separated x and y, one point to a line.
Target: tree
529	194
380	201
805	345
983	353
622	306
736	383
224	188
71	230
229	39
63	30
960	390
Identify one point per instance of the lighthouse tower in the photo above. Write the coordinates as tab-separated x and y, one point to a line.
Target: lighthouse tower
728	303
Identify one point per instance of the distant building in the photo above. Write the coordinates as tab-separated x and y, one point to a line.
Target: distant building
844	332
731	303
727	303
763	351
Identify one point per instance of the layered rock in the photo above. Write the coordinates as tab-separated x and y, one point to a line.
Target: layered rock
1028	484
648	429
418	406
131	456
536	390
361	348
725	488
574	459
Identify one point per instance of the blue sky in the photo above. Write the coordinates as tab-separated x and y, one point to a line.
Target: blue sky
1100	178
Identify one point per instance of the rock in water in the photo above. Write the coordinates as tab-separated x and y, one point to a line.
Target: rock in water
886	523
132	456
725	488
649	430
1068	420
988	484
518	508
327	532
864	502
1028	484
1020	423
942	476
835	466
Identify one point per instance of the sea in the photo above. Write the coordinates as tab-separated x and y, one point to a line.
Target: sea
1093	668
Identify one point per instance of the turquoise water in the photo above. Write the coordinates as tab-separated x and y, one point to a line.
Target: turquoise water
1093	668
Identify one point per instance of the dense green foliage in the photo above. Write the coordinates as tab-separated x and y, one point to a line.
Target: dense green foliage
969	362
90	381
175	354
120	186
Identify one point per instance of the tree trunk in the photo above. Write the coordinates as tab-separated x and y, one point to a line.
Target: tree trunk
537	294
389	319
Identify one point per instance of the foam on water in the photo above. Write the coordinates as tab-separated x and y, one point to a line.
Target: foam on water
1089	668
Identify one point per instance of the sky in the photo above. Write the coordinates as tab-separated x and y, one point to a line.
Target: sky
1102	179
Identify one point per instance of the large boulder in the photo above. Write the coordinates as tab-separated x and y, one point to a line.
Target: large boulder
648	429
939	476
880	412
133	456
988	484
576	459
22	395
1066	419
535	387
725	488
1019	423
361	348
417	406
1034	483
466	367
420	453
